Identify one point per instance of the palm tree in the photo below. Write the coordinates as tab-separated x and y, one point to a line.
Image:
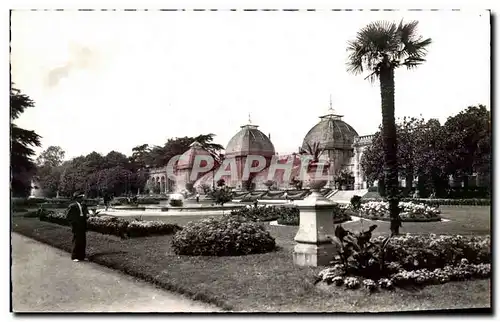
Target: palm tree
380	48
313	150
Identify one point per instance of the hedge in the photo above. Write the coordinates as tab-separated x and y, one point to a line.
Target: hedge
291	217
441	202
111	225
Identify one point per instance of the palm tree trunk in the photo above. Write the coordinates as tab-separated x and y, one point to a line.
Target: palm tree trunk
390	144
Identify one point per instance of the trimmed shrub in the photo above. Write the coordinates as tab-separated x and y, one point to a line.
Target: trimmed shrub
291	216
142	228
249	198
259	213
226	236
111	225
175	202
108	225
26	202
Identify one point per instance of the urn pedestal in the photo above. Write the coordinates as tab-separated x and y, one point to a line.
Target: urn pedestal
314	246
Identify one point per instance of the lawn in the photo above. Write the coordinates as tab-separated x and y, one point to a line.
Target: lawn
270	282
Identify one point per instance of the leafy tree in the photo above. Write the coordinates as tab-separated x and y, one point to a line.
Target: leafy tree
372	161
381	47
49	170
140	156
94	162
222	195
160	156
22	142
116	159
431	158
116	180
469	142
53	156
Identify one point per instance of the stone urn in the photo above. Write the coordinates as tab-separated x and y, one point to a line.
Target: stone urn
314	181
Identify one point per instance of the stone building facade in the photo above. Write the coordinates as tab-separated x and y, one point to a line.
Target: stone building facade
340	142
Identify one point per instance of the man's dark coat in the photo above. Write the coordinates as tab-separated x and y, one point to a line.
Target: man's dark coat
78	221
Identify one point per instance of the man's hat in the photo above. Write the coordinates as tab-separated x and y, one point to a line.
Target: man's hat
78	195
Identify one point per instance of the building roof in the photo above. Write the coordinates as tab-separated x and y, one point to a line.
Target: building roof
331	132
187	159
249	140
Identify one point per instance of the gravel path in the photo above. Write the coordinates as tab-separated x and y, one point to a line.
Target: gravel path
44	279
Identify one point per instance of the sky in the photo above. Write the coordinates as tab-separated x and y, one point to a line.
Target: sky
105	81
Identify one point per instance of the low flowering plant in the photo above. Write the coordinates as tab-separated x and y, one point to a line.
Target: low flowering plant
351	282
379	210
370	285
410	259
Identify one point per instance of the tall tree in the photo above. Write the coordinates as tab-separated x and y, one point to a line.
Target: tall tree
21	145
115	159
469	142
49	169
140	156
430	158
380	48
53	156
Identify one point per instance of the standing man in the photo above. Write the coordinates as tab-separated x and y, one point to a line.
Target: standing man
106	199
197	197
77	216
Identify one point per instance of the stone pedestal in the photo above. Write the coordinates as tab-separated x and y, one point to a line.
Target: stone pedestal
314	246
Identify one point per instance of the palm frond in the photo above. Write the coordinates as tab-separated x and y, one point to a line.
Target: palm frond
398	44
412	62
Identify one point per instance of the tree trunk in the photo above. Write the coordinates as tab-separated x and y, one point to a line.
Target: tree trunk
408	183
389	139
381	187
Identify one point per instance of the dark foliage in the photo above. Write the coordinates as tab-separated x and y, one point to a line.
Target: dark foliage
225	236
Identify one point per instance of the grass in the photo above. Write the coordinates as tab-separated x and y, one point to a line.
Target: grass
269	282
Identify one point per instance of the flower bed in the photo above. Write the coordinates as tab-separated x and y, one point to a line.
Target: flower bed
404	278
379	210
441	202
111	225
408	260
291	216
226	236
142	228
259	213
26	202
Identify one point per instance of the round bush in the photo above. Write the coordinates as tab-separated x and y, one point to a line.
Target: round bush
224	236
176	202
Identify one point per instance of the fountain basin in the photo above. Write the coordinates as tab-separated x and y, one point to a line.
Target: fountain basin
189	208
